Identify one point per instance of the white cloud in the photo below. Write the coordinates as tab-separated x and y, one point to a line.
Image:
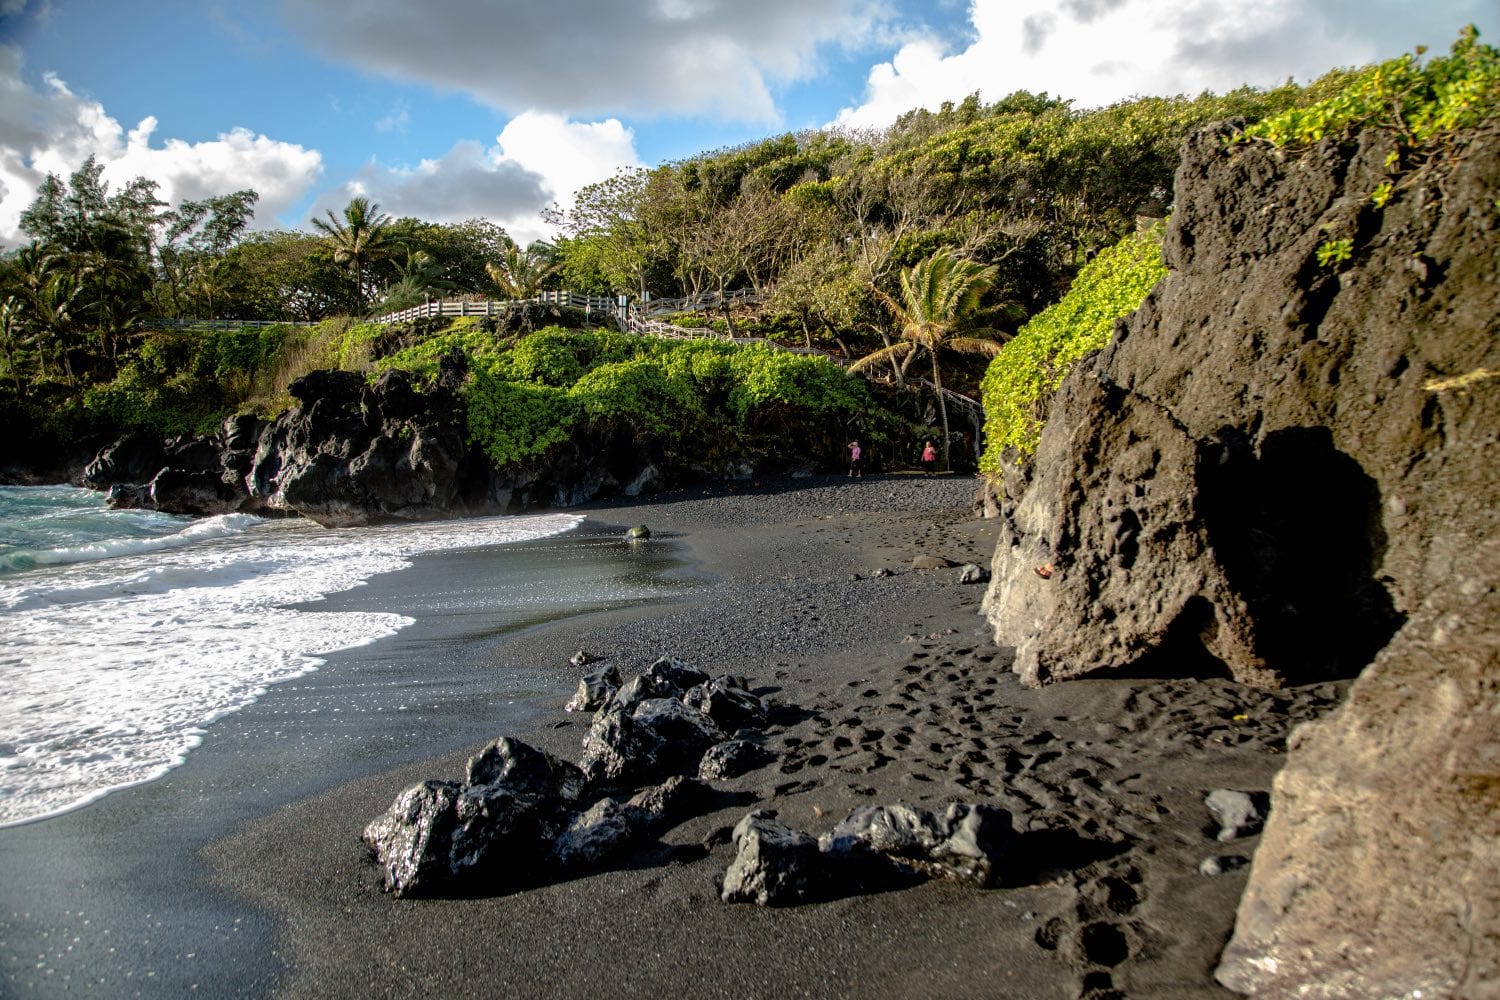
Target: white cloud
537	159
55	130
589	57
1097	52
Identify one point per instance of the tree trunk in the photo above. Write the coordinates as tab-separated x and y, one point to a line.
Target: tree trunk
937	380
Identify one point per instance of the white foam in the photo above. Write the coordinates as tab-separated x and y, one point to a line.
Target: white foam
112	667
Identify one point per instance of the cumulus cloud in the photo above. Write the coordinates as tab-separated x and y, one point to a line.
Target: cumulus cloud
537	160
592	57
1097	52
54	130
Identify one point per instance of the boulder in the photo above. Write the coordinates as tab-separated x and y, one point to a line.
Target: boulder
413	840
601	831
616	748
726	701
1240	814
527	771
972	573
773	865
594	690
731	759
964	843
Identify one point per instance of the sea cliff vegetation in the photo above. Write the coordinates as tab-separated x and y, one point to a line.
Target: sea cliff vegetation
826	229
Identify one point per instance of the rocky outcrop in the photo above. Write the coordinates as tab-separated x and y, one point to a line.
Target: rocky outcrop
353	453
1283	470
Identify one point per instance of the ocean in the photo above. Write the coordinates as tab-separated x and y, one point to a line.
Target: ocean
124	635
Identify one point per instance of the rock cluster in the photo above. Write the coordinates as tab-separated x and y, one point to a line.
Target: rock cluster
356	453
522	815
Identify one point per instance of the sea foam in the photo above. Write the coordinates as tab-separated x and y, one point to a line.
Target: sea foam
115	653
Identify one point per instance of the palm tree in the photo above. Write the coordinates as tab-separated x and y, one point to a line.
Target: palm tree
937	295
357	241
520	274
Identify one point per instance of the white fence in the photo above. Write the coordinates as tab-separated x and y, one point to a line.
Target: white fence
222	324
587	304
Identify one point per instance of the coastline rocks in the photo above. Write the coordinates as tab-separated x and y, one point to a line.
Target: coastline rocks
522	815
963	843
874	845
413	840
594	690
731	759
773	865
1284	471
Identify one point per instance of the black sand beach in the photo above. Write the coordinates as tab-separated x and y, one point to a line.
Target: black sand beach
906	698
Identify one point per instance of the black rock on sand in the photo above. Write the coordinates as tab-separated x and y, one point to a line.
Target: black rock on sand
904	698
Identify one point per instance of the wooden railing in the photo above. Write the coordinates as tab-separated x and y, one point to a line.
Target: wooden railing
587	304
162	323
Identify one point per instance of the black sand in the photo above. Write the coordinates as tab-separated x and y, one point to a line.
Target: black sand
908	699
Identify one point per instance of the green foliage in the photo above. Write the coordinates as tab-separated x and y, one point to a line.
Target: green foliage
639	397
465	333
1381	196
1334	252
514	422
185	381
1419	103
1029	369
773	388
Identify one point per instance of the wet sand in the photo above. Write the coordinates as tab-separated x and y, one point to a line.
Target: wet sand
906	698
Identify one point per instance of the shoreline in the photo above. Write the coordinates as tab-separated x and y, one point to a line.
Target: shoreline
114	896
906	698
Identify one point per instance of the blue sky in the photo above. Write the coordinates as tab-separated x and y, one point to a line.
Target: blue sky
453	109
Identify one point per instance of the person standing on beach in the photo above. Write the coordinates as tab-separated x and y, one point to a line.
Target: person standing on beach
929	458
855	454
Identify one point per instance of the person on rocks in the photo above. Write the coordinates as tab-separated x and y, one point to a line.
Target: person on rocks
856	454
929	458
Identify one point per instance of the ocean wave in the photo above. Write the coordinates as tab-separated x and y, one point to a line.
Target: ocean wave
114	661
109	548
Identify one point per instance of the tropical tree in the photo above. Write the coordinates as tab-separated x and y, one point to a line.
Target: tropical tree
522	274
938	295
356	241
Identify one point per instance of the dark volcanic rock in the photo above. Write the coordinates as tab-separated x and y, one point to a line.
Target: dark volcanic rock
964	843
594	690
731	759
413	840
1285	471
1251	477
725	701
774	865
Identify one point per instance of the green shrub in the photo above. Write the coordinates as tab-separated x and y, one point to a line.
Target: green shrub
1419	103
772	386
548	357
513	421
1028	370
421	360
705	364
639	397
